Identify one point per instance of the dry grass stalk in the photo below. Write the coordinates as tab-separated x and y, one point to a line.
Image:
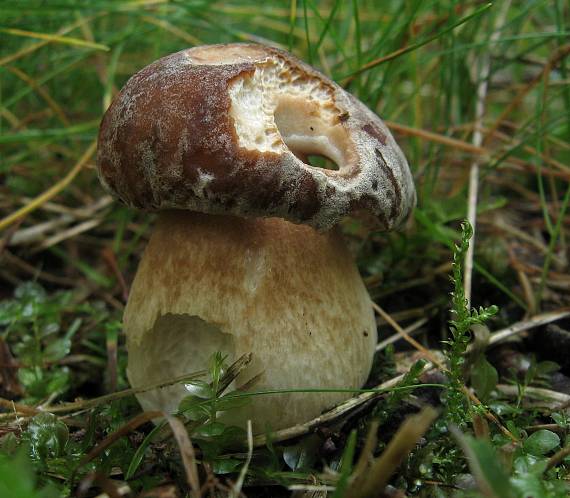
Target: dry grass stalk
473	188
187	453
537	393
370	483
52	191
236	489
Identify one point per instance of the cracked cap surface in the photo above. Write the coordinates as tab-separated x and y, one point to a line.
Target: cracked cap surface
225	128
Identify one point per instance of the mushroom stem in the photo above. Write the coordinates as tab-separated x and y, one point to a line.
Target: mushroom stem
286	293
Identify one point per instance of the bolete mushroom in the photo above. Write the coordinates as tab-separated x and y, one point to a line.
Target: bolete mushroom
245	256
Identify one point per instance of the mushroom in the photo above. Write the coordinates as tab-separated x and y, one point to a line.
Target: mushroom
245	255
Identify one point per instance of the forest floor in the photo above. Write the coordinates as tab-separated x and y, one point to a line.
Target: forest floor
469	394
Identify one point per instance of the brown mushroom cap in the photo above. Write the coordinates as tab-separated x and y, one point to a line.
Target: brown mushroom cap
221	129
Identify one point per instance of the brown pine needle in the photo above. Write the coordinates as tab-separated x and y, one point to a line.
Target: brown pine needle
236	490
131	425
471	149
170	28
35	46
40	90
560	54
77	42
51	192
17	408
558	457
408	338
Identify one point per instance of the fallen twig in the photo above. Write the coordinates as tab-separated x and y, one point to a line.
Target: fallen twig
557	458
518	327
534	392
334	413
396	337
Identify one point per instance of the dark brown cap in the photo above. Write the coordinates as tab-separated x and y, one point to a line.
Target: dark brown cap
224	128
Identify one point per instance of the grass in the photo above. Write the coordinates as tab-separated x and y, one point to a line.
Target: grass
67	255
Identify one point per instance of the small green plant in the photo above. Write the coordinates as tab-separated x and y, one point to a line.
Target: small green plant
458	407
537	374
31	323
389	407
529	475
18	478
200	410
41	329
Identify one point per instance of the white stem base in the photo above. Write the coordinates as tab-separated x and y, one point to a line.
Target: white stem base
284	292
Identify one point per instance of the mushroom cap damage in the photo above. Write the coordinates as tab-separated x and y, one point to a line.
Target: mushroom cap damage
221	129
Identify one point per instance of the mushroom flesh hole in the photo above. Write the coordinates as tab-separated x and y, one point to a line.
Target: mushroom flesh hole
286	293
307	135
275	109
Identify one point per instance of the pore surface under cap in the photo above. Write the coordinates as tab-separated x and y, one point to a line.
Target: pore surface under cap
222	129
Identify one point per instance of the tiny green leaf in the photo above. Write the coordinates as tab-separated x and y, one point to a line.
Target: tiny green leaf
193	408
301	456
17	479
210	429
484	377
547	367
485	465
230	403
346	466
199	388
139	454
541	442
225	465
48	436
57	349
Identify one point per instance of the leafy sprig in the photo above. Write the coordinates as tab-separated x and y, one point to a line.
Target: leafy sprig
463	319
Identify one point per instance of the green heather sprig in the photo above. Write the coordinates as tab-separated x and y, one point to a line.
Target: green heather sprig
463	319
